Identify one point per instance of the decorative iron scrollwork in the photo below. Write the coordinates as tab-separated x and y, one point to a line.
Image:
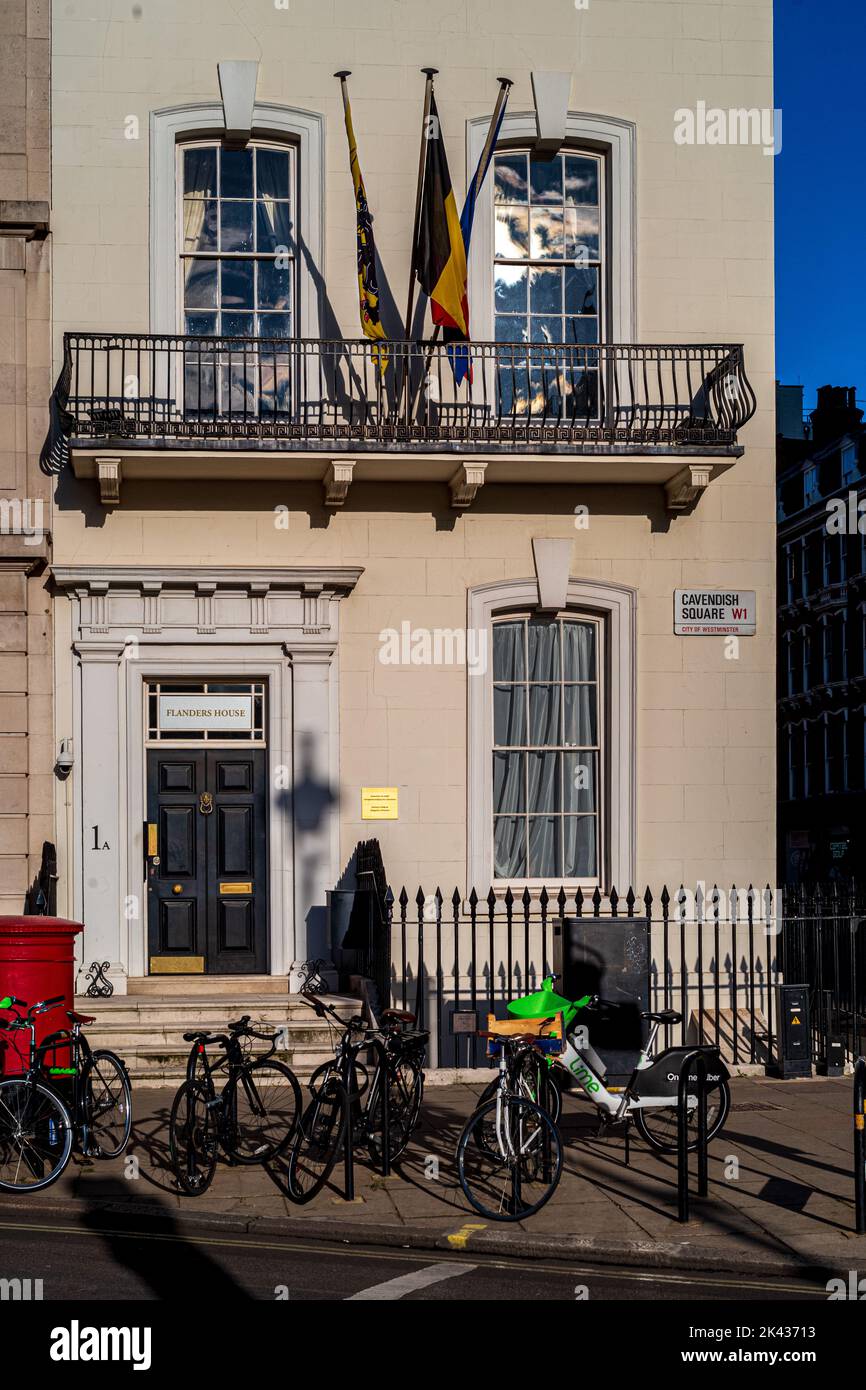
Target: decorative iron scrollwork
311	976
100	986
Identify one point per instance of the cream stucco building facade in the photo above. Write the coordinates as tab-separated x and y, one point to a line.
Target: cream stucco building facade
240	529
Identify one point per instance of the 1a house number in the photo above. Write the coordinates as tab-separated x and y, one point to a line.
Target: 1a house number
96	844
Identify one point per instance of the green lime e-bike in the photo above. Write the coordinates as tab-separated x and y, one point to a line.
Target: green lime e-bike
649	1099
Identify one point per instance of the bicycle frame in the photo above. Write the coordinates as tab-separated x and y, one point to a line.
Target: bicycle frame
617	1104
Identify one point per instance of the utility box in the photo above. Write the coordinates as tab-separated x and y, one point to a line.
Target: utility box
794	1032
610	957
37	961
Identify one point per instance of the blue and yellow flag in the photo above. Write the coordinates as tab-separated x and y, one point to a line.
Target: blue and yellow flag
368	286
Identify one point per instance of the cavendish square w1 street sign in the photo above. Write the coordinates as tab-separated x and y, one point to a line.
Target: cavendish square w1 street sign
714	612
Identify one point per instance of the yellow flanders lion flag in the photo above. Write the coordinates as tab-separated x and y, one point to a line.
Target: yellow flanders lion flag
368	286
441	256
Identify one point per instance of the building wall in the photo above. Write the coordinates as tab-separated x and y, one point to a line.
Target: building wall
705	745
26	731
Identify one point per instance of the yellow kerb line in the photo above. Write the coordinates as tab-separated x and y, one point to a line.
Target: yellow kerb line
460	1238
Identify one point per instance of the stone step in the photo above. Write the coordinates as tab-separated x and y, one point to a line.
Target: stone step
207	986
153	1063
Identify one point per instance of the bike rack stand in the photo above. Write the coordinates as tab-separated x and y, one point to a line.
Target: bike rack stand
860	1144
699	1061
349	1138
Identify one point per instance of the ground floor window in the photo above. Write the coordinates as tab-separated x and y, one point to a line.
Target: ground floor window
547	748
205	711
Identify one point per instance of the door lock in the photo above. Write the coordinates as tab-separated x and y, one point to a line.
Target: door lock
205	803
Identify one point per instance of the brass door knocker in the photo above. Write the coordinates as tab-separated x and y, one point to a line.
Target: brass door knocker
205	803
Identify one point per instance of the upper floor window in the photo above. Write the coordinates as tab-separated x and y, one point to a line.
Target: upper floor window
547	749
548	248
236	262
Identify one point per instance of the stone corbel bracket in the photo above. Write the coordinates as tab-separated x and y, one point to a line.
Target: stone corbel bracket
337	481
685	489
109	475
465	484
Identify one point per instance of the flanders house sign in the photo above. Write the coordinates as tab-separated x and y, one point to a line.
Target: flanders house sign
181	714
714	612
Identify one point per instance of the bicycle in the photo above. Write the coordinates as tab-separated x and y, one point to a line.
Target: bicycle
338	1087
39	1125
509	1156
649	1099
252	1118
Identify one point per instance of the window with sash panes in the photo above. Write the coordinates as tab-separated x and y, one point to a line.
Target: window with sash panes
237	276
548	272
547	749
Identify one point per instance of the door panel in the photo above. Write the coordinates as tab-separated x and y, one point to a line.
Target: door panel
207	895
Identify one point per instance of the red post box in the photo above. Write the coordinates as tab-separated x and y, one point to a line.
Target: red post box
37	961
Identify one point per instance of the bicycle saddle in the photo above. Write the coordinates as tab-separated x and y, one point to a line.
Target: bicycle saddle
397	1016
80	1018
665	1016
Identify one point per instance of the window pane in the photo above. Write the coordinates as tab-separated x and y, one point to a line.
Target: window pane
545	179
236	226
543	651
512	233
581	232
545	292
199	172
509	847
199	324
545	858
199	225
581	855
543	770
237	284
508	664
272	174
275	380
275	286
544	715
200	284
580	715
581	289
508	788
273	226
510	289
547	241
509	715
579	785
511	329
545	330
275	326
581	179
578	651
510	178
236	171
581	330
237	325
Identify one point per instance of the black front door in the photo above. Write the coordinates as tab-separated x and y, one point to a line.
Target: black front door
207	883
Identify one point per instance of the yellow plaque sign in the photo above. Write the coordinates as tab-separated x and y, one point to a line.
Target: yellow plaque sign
177	965
379	803
244	888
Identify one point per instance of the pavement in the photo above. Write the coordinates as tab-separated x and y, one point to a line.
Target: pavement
780	1203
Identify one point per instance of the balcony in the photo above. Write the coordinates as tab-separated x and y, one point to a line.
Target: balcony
145	405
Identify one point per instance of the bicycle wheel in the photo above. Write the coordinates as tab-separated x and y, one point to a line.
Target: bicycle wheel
192	1139
108	1104
318	1142
515	1180
659	1125
531	1079
405	1093
35	1135
264	1104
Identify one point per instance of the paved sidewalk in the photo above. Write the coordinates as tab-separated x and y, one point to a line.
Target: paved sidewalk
786	1204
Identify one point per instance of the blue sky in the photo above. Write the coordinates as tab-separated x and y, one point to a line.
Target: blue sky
821	194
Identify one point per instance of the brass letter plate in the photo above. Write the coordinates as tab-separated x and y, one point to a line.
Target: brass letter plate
245	888
177	965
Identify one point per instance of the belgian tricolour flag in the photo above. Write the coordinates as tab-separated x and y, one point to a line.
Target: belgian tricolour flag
441	256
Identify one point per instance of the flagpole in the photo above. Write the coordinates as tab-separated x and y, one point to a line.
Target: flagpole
422	159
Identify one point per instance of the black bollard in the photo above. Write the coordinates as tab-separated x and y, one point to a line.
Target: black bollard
860	1144
699	1061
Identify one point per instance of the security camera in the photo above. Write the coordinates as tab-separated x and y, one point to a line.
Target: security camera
65	758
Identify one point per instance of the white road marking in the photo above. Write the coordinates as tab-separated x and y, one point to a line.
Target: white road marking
407	1283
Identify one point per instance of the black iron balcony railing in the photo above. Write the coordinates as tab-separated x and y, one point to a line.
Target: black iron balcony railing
314	394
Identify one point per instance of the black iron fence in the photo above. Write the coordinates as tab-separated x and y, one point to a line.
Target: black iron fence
715	956
299	392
